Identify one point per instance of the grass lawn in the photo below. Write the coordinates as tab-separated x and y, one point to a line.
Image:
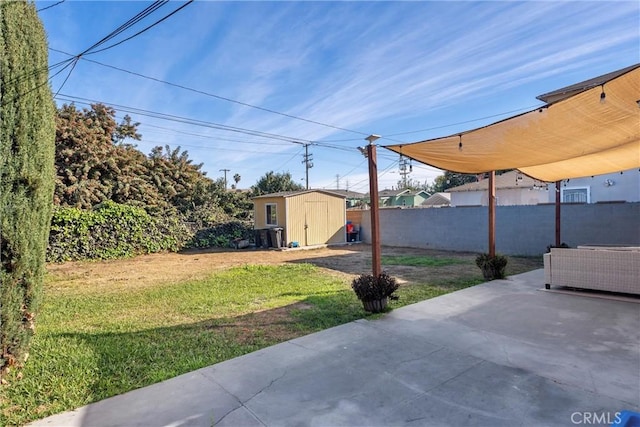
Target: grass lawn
95	342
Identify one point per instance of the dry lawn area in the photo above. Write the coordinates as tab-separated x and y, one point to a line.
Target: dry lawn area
343	261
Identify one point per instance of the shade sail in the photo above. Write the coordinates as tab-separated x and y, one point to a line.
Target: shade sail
577	135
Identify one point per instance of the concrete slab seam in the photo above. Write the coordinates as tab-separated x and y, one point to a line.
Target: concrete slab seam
243	404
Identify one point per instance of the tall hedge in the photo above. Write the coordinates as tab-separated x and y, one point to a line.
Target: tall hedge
27	132
111	230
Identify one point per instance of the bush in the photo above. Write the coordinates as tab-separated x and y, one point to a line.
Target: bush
222	235
111	230
371	288
493	267
27	146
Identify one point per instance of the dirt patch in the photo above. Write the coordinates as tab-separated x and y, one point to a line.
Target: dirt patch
340	261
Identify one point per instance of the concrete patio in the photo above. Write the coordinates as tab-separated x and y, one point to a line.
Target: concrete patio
504	353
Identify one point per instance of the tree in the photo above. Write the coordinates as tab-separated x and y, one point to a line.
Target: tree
236	179
26	175
450	180
413	185
125	130
273	182
92	163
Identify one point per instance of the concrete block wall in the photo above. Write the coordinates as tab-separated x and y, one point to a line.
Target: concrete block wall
520	230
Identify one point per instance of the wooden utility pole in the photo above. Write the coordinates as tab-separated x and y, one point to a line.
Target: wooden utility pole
492	213
375	218
558	203
308	164
225	177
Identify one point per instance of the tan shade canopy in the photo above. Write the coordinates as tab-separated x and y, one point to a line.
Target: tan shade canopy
577	135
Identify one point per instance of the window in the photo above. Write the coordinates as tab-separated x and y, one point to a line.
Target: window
272	214
576	195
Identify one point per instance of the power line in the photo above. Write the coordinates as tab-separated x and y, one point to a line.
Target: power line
145	29
50	6
129	24
222	98
186	120
195	122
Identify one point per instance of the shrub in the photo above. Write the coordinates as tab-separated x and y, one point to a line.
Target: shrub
222	235
493	267
370	288
112	230
27	135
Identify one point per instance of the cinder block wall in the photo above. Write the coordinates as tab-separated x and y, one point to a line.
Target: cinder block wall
520	230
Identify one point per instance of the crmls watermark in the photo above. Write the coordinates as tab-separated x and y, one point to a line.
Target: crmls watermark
591	418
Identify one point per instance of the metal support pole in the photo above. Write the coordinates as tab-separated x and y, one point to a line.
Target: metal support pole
492	214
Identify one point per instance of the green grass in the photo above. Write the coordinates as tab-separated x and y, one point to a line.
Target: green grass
92	344
419	261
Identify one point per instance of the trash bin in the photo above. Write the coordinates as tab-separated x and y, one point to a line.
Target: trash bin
265	238
257	238
276	237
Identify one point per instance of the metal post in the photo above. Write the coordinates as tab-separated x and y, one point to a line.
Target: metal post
492	214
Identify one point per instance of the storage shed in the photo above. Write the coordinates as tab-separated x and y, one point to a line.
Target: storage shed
301	218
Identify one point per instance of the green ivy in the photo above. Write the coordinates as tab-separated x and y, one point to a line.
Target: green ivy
222	235
111	230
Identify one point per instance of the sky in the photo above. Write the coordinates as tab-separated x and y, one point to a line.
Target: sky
244	86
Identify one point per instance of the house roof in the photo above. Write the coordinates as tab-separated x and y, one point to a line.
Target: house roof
400	192
437	199
590	128
391	193
348	193
286	194
508	180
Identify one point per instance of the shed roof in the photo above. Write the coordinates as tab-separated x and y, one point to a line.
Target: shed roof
286	194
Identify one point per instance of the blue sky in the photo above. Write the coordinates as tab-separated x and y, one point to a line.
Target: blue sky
408	71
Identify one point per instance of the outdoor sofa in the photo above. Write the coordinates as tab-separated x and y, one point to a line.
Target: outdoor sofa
603	268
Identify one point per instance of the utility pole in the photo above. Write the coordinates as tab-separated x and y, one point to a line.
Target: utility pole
337	181
373	195
406	168
307	162
225	177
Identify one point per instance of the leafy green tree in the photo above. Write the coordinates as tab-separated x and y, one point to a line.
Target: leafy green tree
450	180
236	179
126	129
413	185
454	179
93	164
26	175
273	182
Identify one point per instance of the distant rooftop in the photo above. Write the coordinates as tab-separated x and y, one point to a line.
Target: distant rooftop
298	192
512	179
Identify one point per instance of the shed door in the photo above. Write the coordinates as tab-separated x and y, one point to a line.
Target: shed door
316	227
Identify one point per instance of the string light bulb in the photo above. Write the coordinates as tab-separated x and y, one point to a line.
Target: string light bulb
603	96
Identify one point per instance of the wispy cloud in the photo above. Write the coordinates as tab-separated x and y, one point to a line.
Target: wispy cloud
362	66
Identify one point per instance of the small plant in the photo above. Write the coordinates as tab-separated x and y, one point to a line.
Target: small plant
374	292
492	266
